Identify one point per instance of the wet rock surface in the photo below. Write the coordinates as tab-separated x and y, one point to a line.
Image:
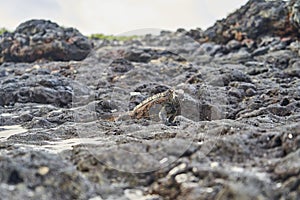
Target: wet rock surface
237	136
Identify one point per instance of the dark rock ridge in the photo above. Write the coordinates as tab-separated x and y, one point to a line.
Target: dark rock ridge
40	39
256	19
237	137
31	83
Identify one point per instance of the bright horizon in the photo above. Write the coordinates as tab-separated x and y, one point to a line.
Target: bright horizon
118	16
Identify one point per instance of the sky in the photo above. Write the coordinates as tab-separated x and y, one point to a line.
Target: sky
118	16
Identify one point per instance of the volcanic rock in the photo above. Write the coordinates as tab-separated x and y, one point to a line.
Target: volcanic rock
257	19
40	39
66	129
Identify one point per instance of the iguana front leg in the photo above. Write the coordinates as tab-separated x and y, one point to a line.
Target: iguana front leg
170	110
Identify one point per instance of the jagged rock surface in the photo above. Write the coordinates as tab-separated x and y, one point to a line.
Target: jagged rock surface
40	39
256	19
238	133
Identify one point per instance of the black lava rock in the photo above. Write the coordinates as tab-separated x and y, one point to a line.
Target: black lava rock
256	19
42	39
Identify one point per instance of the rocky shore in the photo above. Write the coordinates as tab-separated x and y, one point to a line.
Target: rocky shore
237	135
